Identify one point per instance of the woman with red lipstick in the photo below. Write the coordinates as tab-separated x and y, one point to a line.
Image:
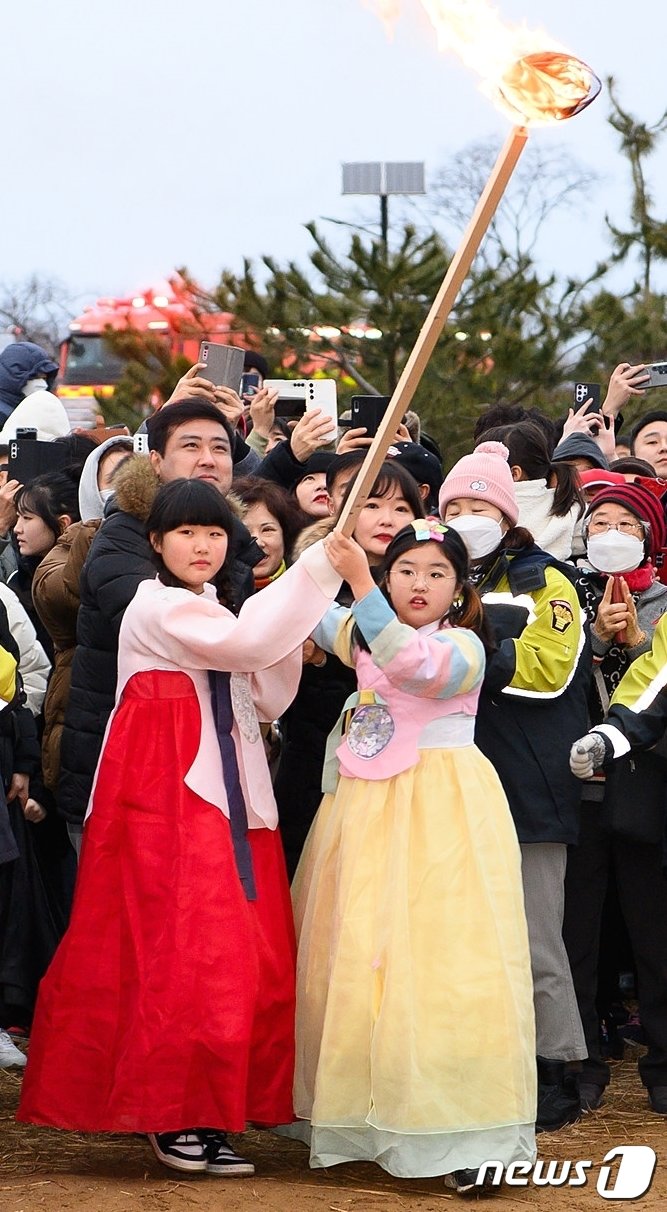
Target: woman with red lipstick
394	500
310	485
415	1030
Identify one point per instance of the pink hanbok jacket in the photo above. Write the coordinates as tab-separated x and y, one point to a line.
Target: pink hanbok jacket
176	630
418	689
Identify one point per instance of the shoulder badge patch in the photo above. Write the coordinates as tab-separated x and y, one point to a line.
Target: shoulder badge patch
561	614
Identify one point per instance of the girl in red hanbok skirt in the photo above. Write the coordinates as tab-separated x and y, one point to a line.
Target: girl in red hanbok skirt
169	1006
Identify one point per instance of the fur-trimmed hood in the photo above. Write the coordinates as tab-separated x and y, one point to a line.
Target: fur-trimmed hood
312	534
135	486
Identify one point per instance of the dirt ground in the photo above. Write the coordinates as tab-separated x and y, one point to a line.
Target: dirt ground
48	1171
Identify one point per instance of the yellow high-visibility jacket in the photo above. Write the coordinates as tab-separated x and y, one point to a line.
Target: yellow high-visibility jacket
638	710
535	693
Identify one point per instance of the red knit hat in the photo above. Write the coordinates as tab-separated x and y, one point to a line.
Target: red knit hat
645	506
483	475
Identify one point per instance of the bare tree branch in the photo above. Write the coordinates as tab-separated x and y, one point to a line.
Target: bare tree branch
37	309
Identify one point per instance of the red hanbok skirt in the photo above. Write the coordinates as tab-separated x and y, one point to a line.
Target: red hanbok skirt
170	1001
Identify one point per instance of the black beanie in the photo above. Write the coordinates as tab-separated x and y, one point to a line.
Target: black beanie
320	461
255	361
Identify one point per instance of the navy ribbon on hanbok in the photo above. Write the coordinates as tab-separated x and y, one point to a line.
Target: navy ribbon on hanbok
223	716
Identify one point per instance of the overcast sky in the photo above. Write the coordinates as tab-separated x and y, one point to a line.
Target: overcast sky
145	134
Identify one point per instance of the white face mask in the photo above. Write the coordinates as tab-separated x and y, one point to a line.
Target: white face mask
106	493
614	552
481	535
35	385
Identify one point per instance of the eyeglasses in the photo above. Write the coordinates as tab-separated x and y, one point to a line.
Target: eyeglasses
600	527
440	576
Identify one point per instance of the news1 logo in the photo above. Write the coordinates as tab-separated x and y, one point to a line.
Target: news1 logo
631	1177
628	1179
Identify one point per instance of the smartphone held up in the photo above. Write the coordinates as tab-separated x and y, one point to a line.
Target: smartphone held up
657	374
296	396
367	412
222	364
249	384
591	392
29	458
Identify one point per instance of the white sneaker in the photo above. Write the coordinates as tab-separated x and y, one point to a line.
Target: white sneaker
10	1056
221	1159
180	1150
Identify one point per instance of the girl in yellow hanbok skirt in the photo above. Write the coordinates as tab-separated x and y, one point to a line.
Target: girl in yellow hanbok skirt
415	1032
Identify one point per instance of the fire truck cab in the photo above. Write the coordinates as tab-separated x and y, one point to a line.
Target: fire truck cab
90	368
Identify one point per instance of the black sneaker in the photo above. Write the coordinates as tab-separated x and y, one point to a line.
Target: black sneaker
591	1095
657	1097
558	1101
464	1182
180	1150
221	1159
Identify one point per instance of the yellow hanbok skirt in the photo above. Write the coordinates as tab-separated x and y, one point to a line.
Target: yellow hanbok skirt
415	1025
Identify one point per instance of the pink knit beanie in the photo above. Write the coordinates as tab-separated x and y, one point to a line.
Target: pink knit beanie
483	475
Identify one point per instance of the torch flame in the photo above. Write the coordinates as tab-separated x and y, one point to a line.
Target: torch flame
548	86
533	79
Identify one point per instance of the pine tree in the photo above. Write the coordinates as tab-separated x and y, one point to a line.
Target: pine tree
648	235
151	373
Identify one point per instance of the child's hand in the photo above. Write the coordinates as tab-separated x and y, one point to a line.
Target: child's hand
313	654
350	562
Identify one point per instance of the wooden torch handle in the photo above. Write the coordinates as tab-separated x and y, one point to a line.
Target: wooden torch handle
433	325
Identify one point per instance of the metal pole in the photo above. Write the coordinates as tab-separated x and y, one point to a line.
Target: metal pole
384	221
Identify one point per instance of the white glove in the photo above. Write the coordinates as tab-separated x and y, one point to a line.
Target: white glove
587	754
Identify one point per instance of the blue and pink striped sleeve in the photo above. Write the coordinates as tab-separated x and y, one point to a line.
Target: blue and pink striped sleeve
437	666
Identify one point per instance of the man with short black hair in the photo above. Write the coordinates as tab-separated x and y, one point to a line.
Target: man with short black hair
192	441
648	440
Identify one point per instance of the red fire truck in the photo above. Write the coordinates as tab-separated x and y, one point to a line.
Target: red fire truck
90	368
